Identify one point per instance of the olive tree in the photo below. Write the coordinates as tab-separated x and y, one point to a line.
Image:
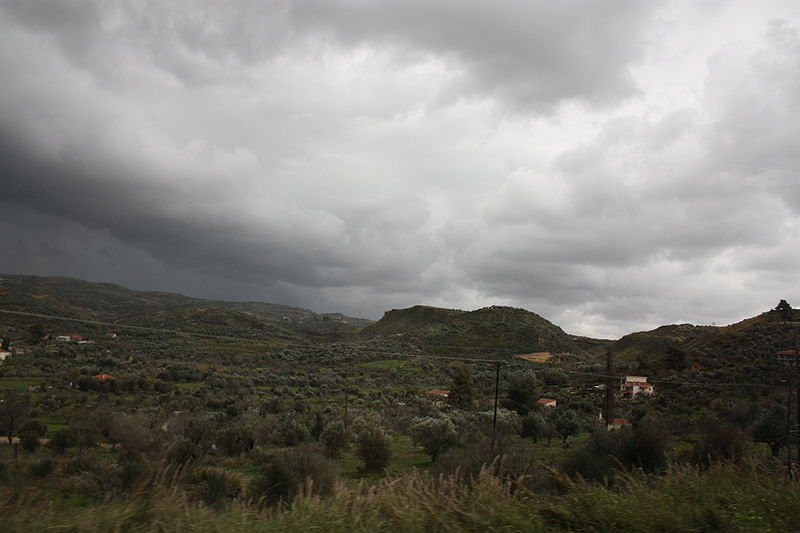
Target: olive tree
434	435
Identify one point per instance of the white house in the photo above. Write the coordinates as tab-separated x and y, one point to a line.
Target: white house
632	386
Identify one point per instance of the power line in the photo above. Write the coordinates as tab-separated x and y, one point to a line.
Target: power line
396	354
131	326
676	383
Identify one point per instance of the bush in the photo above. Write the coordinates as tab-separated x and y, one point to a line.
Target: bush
41	467
720	441
336	438
374	448
287	474
276	482
517	463
29	440
215	485
643	447
62	439
292	432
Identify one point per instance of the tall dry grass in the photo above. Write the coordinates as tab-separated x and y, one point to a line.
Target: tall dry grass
728	498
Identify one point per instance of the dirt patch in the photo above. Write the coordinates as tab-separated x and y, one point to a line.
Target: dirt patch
538	357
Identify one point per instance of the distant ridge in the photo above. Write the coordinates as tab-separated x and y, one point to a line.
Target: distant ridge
108	302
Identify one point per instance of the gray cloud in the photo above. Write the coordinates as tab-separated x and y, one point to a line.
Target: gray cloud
360	156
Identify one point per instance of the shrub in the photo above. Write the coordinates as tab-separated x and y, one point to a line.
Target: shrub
374	448
292	431
720	441
643	447
286	474
29	440
41	467
336	438
215	485
62	439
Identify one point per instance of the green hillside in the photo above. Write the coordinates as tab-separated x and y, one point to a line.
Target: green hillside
657	344
492	331
106	302
751	340
744	351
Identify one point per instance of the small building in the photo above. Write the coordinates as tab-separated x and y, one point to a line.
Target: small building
618	423
632	386
4	354
103	377
64	338
546	402
111	335
438	396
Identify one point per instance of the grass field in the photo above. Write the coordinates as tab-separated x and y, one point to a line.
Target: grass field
11	383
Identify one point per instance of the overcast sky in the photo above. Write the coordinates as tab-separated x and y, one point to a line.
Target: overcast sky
613	166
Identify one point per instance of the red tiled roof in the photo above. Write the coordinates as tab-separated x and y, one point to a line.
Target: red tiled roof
103	377
542	401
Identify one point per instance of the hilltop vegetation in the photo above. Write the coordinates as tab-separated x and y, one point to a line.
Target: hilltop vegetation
490	331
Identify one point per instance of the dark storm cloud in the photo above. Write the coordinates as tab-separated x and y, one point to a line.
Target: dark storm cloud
576	158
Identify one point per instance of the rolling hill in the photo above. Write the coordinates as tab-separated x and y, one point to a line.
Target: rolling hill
753	341
110	303
490	331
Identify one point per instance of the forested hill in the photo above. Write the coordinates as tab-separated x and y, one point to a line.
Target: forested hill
747	344
106	302
493	331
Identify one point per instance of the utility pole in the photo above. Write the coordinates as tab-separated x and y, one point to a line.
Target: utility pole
346	400
608	394
796	379
496	396
791	358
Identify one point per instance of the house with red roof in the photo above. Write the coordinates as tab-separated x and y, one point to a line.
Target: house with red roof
632	386
618	423
546	402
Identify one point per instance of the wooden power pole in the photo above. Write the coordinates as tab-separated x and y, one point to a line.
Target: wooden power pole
608	393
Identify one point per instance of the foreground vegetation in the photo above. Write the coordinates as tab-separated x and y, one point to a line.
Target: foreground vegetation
726	497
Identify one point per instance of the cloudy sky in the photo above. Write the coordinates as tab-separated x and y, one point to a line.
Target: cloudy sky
612	166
